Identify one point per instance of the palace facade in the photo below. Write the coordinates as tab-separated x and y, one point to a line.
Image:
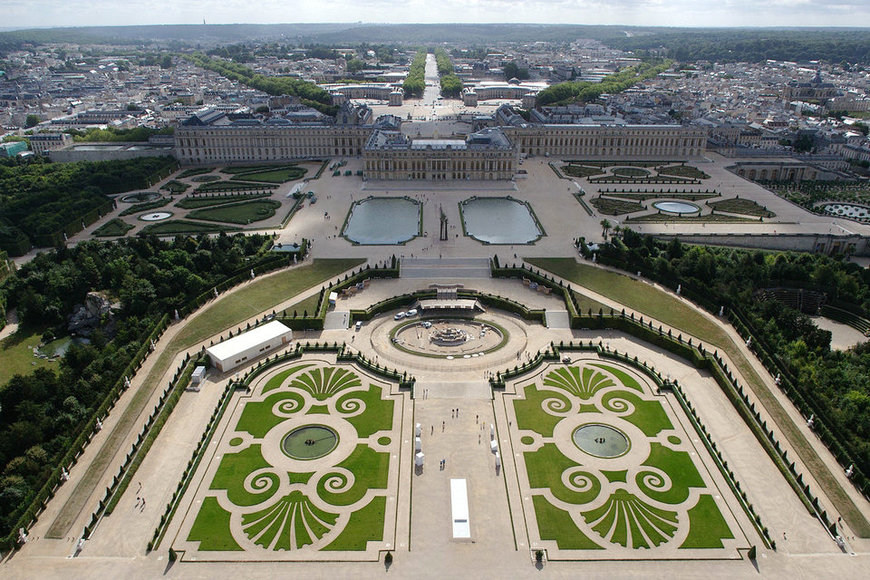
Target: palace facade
211	137
484	155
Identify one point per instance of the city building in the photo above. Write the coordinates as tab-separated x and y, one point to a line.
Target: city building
43	142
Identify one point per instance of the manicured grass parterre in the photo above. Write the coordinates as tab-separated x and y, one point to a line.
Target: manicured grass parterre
707	218
266	173
194	171
629	172
198	201
667	309
609	206
174	227
647	497
683	171
281	175
175	187
226	186
741	206
335	502
238	213
581	170
141	207
113	228
205	178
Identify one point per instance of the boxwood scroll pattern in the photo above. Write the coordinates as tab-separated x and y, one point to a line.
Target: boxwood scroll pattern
263	500
651	496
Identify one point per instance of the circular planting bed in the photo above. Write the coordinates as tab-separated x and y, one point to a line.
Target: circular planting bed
630	172
601	440
309	442
677	207
140	197
155	216
449	338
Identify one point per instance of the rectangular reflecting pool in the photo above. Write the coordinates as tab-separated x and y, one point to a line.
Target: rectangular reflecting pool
500	220
383	221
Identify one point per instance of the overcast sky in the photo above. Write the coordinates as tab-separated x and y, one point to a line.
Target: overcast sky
42	13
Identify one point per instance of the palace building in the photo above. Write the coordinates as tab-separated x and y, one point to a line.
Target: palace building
212	136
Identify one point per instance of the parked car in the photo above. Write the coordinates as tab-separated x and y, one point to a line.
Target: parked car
358	325
411	312
399	316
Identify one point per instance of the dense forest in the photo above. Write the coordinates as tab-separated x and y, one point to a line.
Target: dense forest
754	45
39	200
836	380
584	92
309	93
686	44
41	413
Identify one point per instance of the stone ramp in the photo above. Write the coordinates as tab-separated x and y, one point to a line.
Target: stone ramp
336	320
450	268
453	390
557	319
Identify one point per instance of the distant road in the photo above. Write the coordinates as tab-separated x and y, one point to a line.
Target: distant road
433	81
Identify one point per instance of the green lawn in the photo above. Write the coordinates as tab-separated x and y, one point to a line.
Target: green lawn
112	228
281	175
609	206
305	305
142	207
16	352
741	206
195	171
198	201
629	172
175	187
238	213
683	171
174	227
580	170
668	309
257	297
709	218
221	186
212	526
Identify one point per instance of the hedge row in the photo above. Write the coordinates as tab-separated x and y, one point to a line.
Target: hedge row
143	443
